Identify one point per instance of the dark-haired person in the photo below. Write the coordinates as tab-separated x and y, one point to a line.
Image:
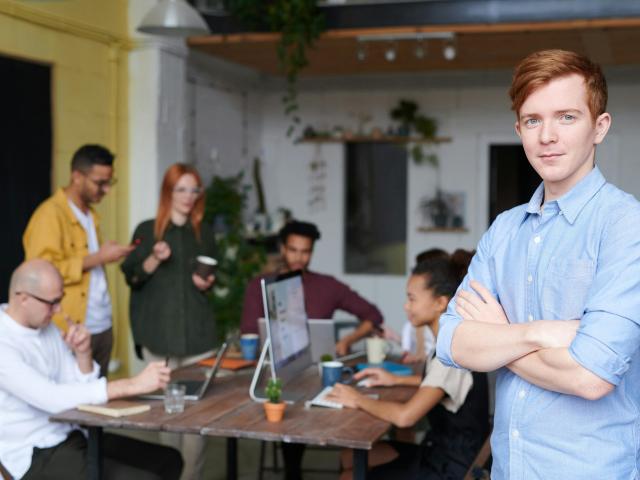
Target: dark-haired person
418	343
552	297
65	230
455	401
171	318
323	294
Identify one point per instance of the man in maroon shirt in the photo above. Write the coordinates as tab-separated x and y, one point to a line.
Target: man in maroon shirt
323	294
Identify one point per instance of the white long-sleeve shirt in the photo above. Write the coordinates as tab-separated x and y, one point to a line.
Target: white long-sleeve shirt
39	376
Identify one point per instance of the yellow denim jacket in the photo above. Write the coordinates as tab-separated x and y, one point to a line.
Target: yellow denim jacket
54	234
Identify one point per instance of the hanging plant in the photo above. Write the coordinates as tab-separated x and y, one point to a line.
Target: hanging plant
299	23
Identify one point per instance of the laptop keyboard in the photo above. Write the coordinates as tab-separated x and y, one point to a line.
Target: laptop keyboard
320	401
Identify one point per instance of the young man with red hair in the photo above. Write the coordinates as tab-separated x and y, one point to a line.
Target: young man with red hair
552	297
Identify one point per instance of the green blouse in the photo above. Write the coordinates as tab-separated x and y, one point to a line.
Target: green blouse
169	315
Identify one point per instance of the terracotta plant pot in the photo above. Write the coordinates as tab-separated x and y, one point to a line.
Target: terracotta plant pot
274	411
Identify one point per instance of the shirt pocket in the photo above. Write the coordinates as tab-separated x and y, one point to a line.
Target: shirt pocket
566	286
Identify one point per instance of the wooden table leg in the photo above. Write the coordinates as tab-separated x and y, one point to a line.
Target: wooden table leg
360	458
232	458
94	453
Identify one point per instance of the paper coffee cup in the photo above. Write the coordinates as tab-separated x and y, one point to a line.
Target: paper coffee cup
205	266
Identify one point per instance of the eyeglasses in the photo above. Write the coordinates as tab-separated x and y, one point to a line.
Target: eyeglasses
102	184
192	191
50	303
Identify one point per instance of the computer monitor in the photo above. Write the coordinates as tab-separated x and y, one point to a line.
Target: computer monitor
286	321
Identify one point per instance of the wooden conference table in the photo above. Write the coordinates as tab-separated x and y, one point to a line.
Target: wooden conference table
227	411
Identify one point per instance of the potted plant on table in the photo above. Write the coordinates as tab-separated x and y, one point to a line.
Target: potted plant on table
274	406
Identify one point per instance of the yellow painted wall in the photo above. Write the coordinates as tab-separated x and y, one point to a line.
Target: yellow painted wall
85	42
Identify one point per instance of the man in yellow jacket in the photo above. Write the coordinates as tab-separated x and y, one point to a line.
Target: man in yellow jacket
65	230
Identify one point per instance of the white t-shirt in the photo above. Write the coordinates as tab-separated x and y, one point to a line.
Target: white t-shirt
408	341
454	381
39	377
98	314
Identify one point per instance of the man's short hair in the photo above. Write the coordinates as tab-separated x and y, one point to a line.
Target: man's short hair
304	229
89	155
539	68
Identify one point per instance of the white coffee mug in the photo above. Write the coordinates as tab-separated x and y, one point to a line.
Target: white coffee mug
377	349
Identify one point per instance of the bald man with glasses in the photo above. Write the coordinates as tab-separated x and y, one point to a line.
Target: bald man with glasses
65	230
44	372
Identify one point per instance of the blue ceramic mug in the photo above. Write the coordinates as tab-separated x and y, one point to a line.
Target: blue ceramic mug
333	371
249	346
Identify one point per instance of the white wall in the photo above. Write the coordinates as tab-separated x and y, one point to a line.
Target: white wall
225	116
233	114
474	111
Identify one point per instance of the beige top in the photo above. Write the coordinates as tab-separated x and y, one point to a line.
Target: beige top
455	382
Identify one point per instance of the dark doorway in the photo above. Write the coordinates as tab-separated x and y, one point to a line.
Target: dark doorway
512	180
376	208
25	154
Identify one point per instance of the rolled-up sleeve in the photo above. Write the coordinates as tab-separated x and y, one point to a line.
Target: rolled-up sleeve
609	332
480	271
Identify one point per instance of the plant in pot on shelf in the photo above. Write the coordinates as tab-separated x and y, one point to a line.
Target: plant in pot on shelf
274	406
405	114
437	209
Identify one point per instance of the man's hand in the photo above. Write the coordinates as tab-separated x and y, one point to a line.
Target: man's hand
347	396
155	376
481	306
202	284
161	251
342	348
111	251
377	377
78	339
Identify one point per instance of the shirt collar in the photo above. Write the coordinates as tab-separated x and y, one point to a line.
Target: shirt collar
572	202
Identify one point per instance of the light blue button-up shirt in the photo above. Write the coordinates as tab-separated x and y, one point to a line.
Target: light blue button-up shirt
578	257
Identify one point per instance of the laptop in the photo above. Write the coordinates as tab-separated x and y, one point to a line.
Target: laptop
321	332
195	389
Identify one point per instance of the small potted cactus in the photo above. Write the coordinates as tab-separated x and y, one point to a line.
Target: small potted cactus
274	406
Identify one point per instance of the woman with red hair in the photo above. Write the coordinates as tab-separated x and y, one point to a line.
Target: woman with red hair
171	317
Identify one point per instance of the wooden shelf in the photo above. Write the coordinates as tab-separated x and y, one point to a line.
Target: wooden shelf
384	139
443	229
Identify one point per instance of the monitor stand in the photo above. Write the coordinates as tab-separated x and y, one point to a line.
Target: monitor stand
287	396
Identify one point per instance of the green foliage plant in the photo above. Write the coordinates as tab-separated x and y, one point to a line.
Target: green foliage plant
406	113
273	390
238	260
299	22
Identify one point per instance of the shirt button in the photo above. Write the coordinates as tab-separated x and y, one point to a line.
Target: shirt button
530	318
537	239
521	394
515	433
529	279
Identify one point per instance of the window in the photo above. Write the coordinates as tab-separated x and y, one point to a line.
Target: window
376	208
